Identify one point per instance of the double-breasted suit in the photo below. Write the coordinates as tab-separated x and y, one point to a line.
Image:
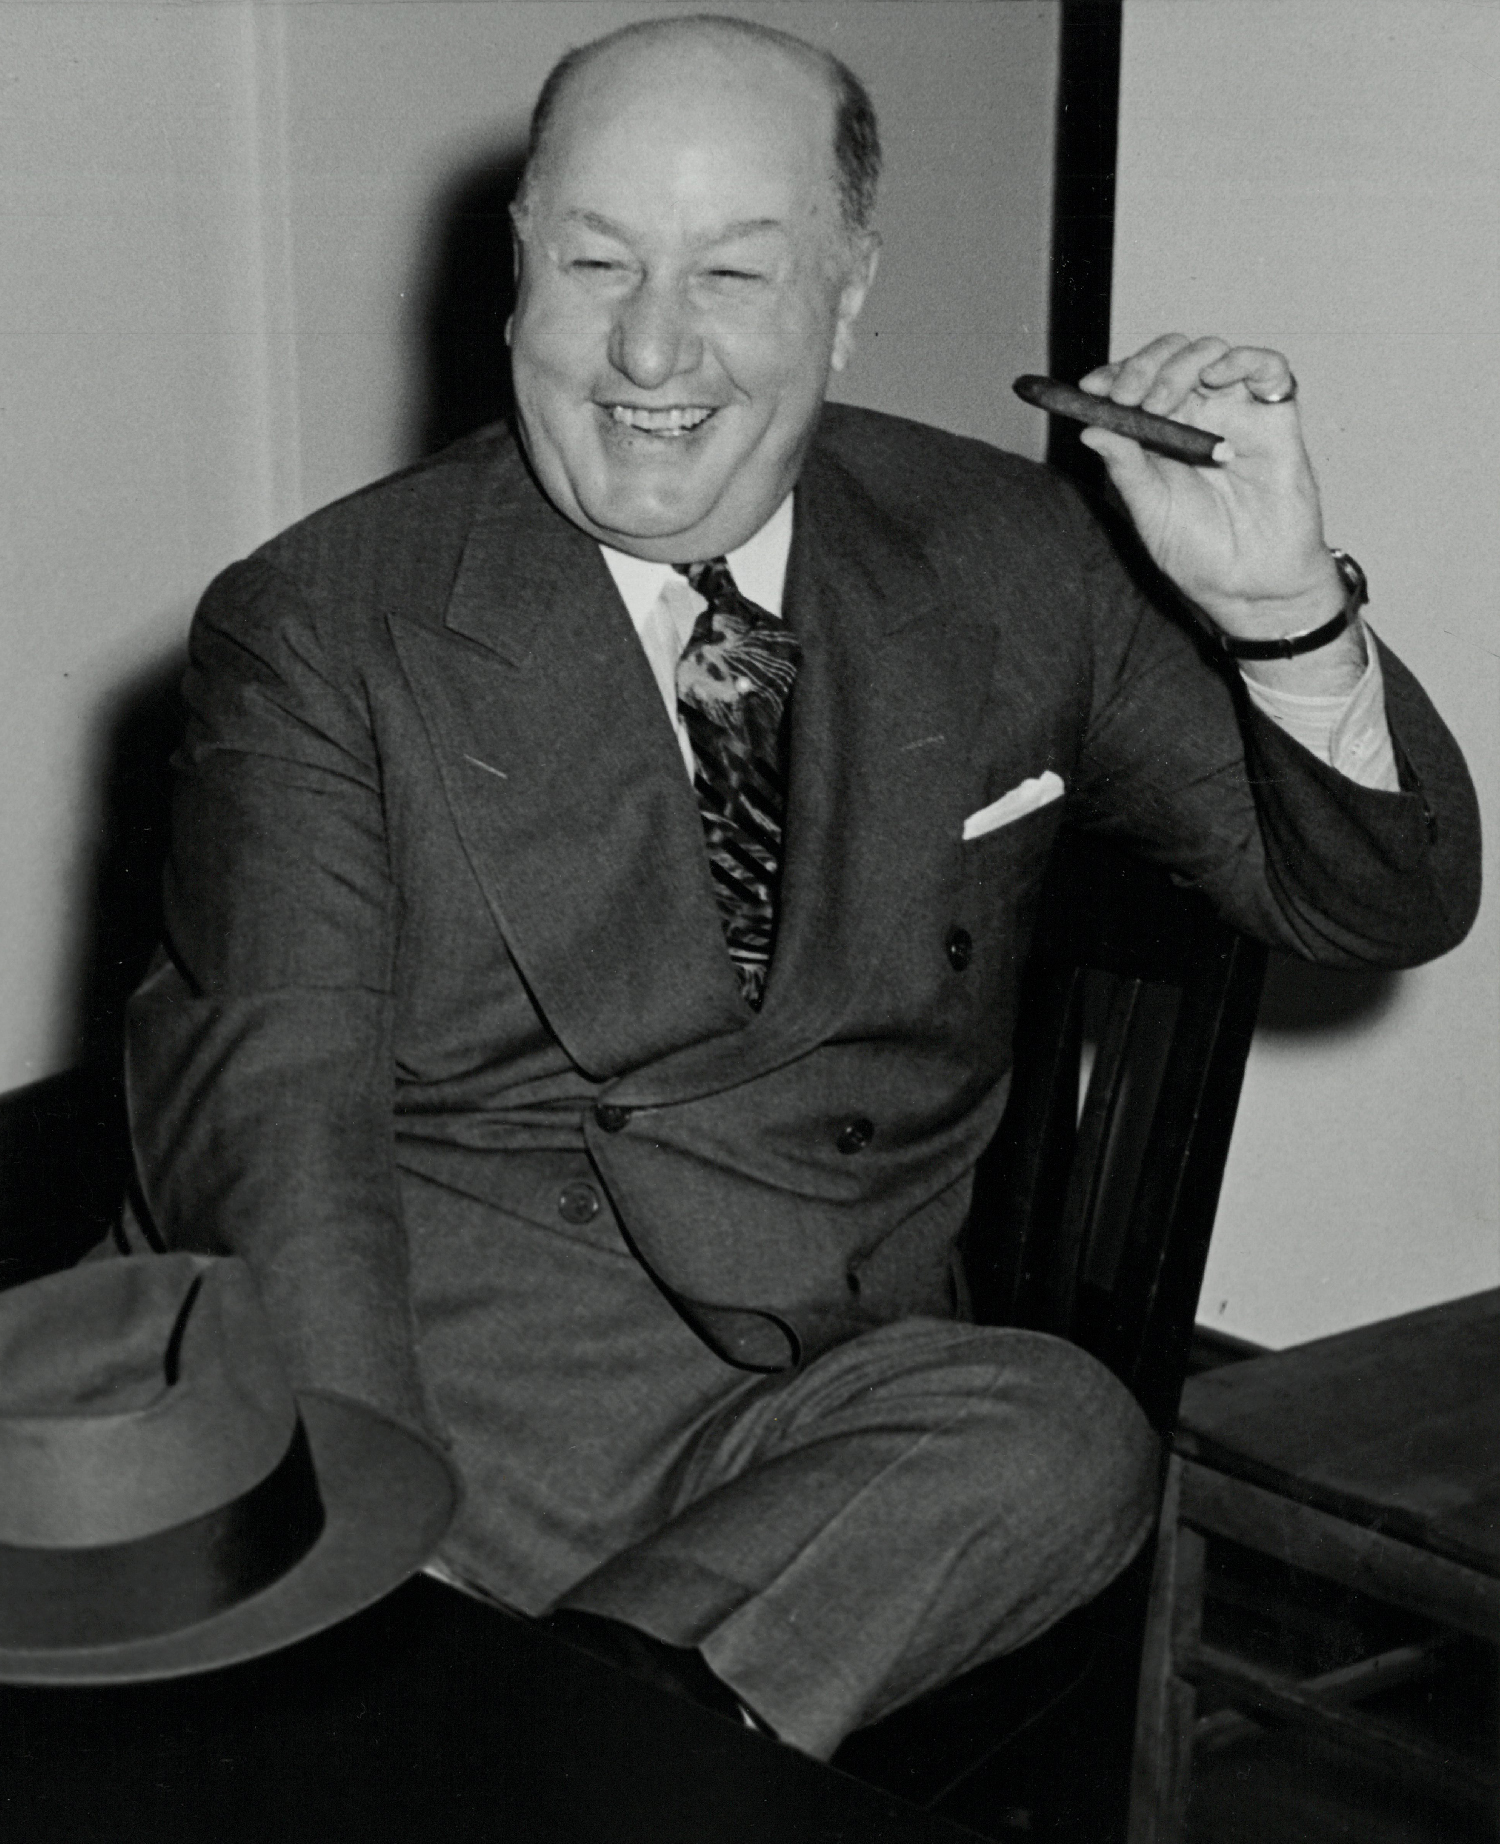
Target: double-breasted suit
446	1040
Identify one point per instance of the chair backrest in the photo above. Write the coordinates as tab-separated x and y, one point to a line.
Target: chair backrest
1094	1204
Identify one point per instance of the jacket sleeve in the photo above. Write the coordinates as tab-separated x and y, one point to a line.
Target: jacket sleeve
259	1066
1178	762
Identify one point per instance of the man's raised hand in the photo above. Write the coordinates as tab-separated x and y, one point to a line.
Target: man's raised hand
1243	539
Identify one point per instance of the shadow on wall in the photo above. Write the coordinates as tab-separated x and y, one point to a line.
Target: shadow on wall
64	1148
141	728
1303	1001
467	291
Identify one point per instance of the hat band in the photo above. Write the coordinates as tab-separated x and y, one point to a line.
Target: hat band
115	1592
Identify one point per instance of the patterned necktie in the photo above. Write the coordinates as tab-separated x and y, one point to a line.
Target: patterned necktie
733	681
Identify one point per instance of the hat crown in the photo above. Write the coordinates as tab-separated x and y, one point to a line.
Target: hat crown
135	1395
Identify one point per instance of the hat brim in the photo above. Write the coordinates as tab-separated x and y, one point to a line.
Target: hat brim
388	1497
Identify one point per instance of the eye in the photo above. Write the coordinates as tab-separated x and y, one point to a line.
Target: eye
727	282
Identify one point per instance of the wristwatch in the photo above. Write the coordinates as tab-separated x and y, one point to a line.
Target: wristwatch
1356	594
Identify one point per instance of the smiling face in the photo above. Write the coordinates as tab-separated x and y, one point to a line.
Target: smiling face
686	285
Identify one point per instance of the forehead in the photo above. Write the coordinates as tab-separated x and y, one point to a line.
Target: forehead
698	135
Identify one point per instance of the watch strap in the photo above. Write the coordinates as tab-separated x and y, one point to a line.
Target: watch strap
1288	646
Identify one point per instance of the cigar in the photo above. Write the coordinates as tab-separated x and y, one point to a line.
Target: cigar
1179	440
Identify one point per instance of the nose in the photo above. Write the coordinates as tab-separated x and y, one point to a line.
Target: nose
653	338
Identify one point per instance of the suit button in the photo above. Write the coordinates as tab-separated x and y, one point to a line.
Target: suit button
578	1203
855	1135
611	1118
960	948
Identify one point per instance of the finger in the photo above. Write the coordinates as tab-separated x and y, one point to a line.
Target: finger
1264	373
1130	378
1126	461
1180	377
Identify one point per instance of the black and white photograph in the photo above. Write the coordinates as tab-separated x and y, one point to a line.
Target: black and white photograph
749	1013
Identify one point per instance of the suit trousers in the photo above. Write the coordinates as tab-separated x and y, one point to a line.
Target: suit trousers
835	1540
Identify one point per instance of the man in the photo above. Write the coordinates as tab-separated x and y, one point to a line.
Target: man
619	1125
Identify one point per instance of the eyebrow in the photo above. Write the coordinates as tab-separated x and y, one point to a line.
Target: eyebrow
742	227
747	227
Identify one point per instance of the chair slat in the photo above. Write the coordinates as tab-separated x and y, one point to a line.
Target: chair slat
1096	1226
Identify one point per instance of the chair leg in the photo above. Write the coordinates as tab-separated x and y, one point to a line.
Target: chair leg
1168	1704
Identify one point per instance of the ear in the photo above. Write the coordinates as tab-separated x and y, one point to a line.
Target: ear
520	224
856	285
519	218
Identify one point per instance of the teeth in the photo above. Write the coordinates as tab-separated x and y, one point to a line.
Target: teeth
676	421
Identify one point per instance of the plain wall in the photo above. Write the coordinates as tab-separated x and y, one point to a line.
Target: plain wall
224	230
1323	176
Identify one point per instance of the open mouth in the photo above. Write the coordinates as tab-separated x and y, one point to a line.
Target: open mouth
672	423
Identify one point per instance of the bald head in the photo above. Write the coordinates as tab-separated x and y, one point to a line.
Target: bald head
854	135
691	268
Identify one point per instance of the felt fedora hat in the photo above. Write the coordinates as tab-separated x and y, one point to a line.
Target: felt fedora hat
167	1504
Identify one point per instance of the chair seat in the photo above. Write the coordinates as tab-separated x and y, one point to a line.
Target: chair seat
1370	1459
1393	1426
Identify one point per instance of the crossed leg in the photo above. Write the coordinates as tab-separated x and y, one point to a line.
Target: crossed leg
911	1504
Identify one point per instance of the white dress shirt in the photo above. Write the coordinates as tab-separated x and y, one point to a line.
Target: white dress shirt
1349	732
664	609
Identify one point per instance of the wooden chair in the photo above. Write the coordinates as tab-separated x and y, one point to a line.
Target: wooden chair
1091	1220
1370	1459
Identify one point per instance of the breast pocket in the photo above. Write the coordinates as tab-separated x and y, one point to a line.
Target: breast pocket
1000	885
1011	858
1025	797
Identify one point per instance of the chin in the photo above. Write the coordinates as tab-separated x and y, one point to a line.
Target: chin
630	510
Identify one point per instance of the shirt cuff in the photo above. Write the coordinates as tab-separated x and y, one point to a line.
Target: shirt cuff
1350	733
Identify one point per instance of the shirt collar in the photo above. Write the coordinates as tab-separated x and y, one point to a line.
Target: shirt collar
758	567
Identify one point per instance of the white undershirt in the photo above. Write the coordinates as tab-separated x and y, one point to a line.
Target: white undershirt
1348	732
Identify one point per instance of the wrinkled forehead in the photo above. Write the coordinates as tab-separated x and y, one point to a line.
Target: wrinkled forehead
696	134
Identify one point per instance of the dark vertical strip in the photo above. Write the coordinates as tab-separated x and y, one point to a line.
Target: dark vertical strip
1083	204
64	1169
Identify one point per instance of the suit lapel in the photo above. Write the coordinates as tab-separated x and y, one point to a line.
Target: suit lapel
879	740
882	719
567	788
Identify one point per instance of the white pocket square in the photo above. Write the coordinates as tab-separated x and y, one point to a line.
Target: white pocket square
1025	797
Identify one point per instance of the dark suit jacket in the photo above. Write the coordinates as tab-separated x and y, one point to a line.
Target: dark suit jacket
438	899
